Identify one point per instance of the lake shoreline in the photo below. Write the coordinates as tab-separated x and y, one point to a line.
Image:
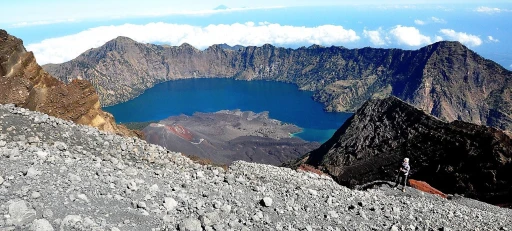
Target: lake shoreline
283	101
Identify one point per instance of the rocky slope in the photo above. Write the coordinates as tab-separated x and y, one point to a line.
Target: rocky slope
226	136
445	79
57	175
456	157
24	83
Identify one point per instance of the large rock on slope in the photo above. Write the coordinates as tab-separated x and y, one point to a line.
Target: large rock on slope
445	79
24	83
456	157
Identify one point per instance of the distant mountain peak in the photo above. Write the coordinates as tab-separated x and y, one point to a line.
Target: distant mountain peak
124	38
447	45
221	7
225	46
315	46
120	40
187	46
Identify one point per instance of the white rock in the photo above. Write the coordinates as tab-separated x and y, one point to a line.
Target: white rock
153	188
170	203
89	223
47	213
32	172
141	204
209	219
41	225
35	195
20	214
33	140
82	197
190	224
200	175
130	171
267	201
226	208
42	154
74	178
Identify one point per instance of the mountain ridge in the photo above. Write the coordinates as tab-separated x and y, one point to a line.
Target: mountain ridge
445	79
456	157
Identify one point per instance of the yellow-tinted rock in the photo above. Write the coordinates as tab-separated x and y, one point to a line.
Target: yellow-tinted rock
24	83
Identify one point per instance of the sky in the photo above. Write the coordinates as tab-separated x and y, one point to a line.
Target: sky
58	31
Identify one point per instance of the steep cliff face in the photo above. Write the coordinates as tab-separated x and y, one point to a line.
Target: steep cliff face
456	157
445	79
24	83
456	83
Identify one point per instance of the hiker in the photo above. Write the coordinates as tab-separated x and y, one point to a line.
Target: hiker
402	173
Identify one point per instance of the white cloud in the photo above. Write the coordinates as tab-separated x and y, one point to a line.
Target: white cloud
437	20
430	20
490	10
377	37
466	39
61	49
409	36
492	39
419	22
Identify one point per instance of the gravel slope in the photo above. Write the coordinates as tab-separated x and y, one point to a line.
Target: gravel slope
56	175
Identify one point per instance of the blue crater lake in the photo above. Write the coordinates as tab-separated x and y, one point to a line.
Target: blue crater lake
283	101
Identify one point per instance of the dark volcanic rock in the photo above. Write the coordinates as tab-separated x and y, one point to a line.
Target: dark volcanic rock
456	157
445	79
226	136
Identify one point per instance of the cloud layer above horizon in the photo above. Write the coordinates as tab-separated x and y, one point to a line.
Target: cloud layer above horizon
61	49
411	36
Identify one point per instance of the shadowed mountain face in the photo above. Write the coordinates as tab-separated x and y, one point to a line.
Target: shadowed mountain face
24	83
445	79
456	157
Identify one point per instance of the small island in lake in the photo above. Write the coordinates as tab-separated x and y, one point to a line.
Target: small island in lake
229	135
